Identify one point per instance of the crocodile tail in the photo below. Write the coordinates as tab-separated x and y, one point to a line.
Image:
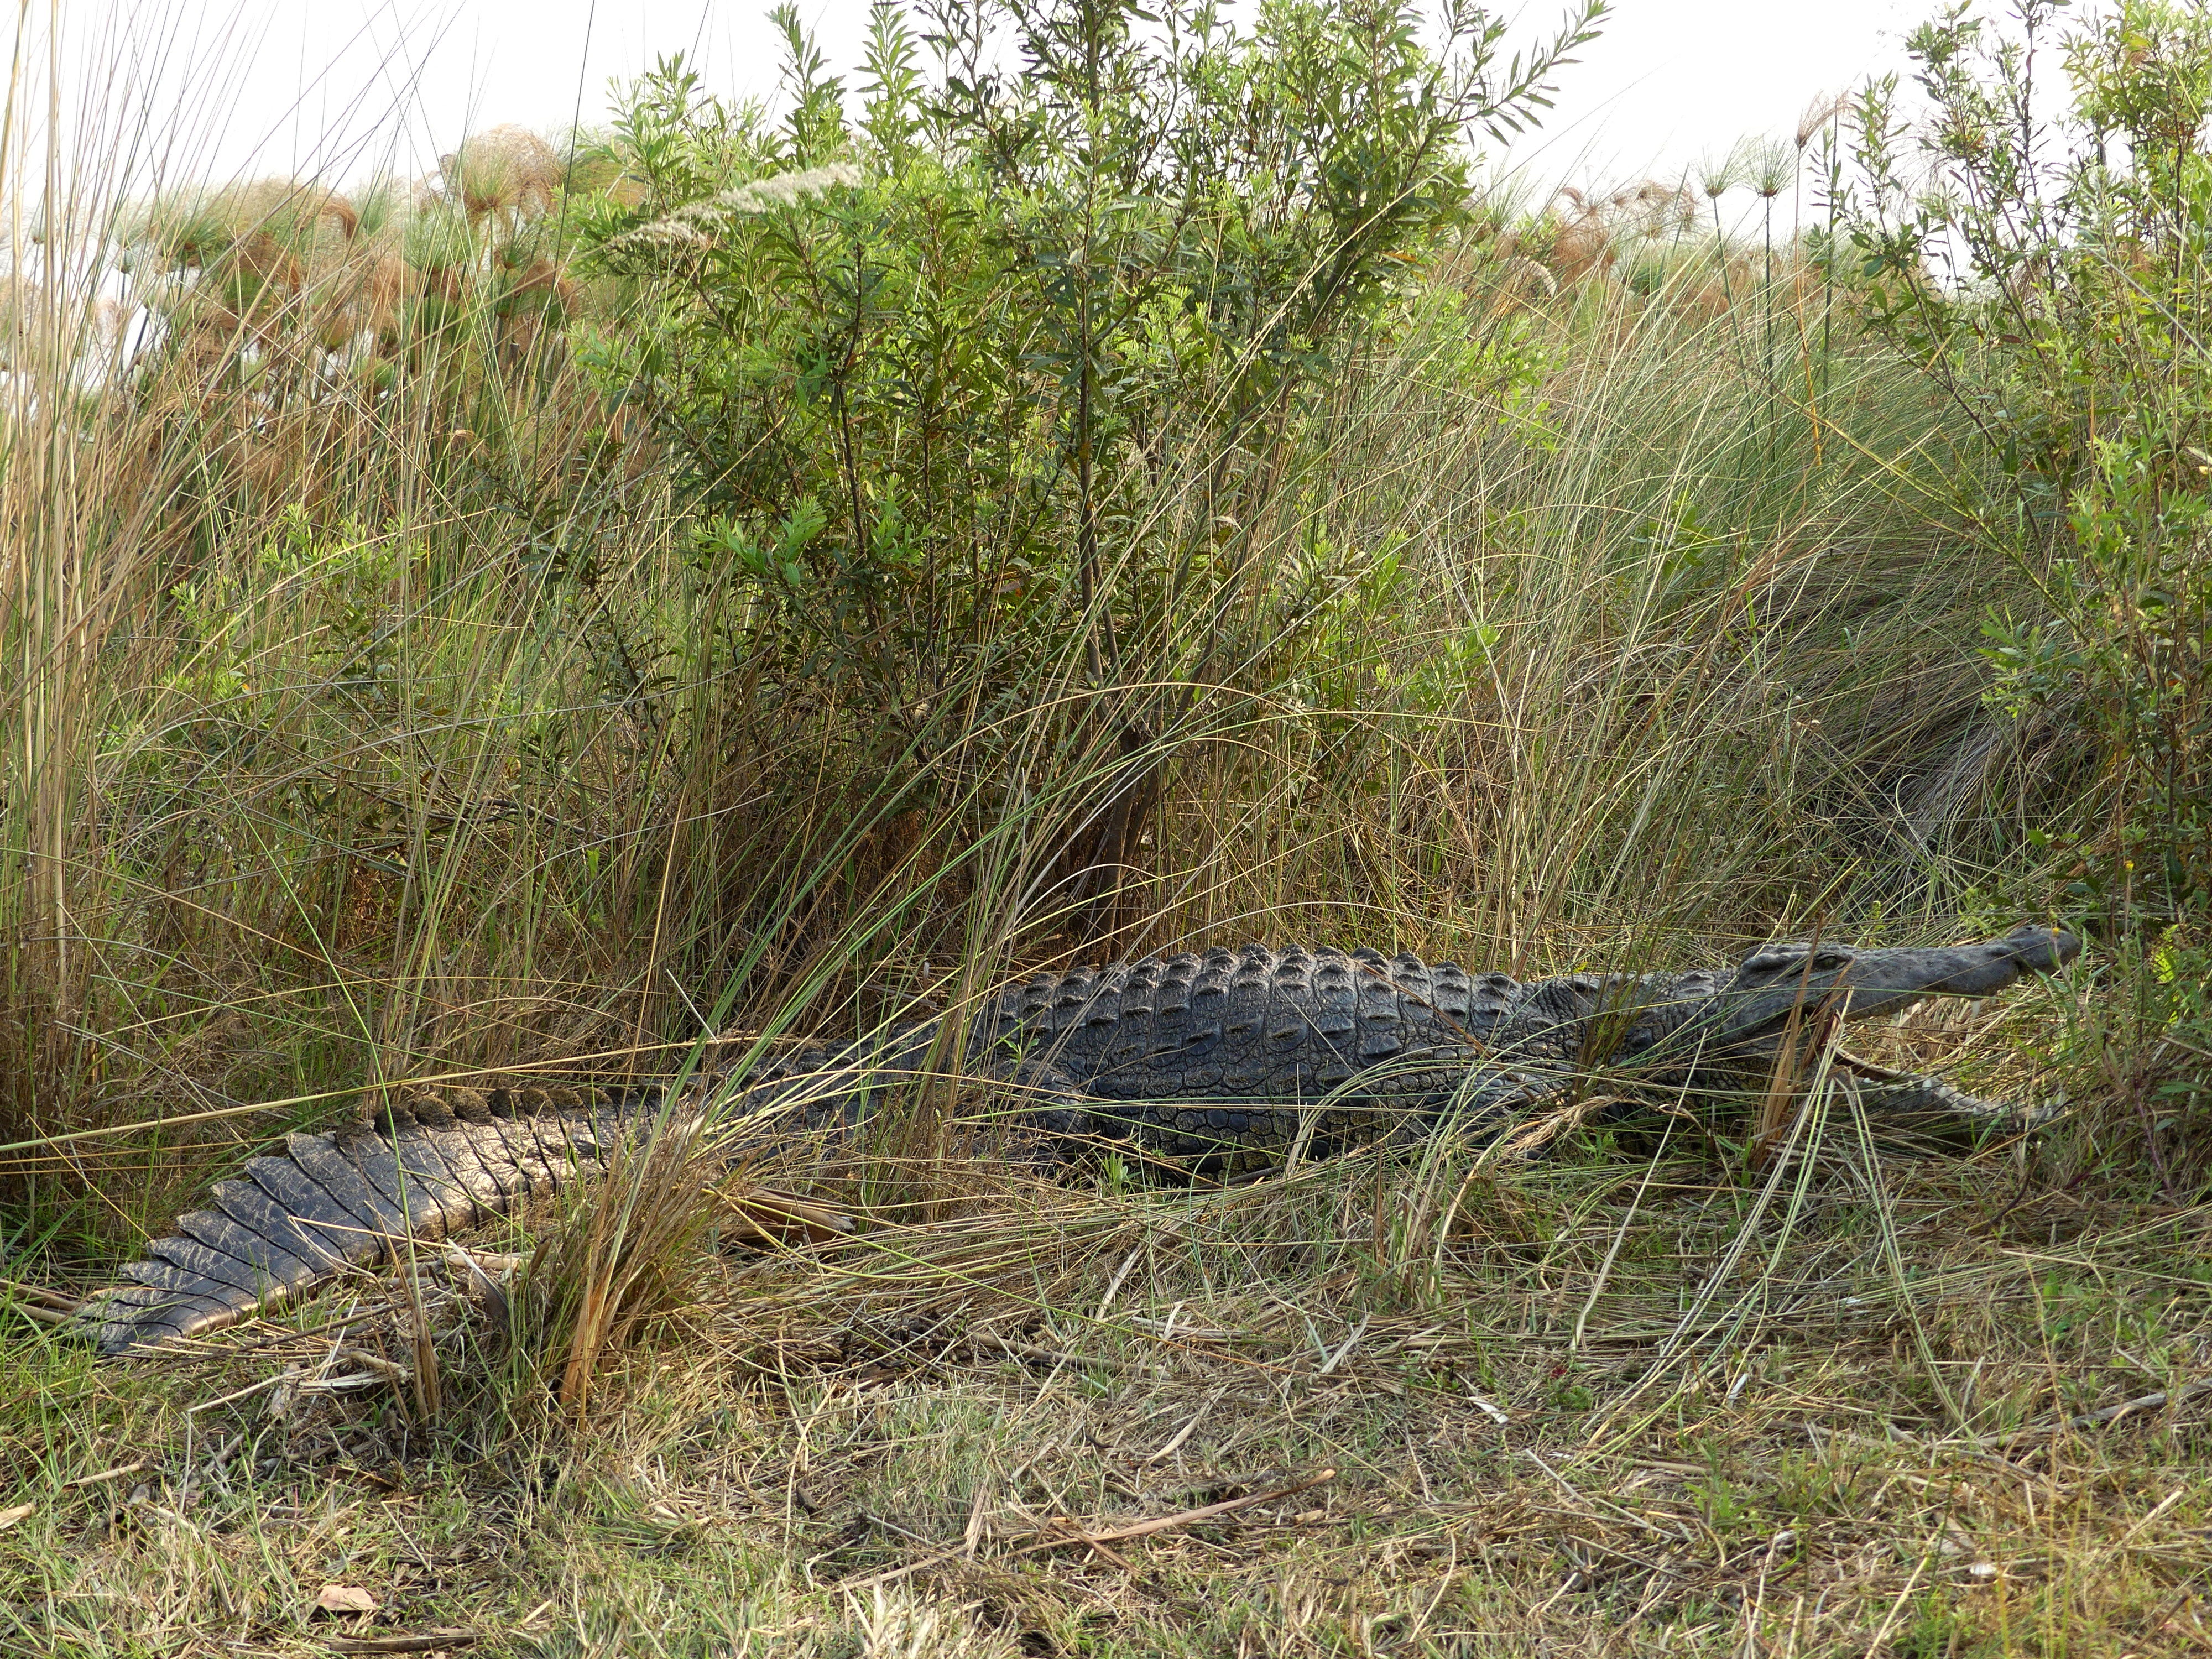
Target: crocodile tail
823	1089
293	1219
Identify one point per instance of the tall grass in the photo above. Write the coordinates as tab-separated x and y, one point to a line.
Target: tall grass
277	639
367	719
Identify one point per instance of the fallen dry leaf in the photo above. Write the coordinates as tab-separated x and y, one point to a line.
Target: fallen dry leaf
9	1517
345	1598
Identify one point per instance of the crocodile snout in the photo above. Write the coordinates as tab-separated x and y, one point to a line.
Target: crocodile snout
2031	948
1865	982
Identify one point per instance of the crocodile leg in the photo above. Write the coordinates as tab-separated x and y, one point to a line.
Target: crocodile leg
1924	1104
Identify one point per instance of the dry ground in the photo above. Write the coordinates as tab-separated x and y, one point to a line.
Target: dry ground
1642	1398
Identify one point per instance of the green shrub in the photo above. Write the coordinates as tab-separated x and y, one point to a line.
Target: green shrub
2050	275
925	376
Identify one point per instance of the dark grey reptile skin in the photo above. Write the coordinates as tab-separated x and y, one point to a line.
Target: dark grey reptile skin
1212	1064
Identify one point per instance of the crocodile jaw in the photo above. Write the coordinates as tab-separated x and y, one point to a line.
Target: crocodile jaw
1860	983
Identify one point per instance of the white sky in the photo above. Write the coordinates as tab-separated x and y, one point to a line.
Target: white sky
294	86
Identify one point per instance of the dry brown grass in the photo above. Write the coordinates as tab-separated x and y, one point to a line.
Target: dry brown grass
1639	1403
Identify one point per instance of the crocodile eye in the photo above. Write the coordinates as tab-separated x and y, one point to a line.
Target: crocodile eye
1776	959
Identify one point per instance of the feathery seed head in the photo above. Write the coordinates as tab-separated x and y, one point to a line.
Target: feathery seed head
693	224
1822	109
1717	175
783	189
1770	165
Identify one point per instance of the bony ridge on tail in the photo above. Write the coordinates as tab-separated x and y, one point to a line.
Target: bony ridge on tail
1215	1064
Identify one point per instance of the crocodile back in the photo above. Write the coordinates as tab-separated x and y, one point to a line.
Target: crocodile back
1262	1025
1222	1061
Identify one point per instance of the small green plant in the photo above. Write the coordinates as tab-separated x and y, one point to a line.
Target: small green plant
1727	1506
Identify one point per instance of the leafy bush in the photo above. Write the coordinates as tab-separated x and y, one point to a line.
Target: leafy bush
2050	273
926	375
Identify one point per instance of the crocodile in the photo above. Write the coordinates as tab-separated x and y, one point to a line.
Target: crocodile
1216	1064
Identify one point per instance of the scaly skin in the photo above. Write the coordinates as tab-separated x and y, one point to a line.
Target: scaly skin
1216	1064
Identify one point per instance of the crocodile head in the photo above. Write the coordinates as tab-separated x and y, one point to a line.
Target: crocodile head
1752	1007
